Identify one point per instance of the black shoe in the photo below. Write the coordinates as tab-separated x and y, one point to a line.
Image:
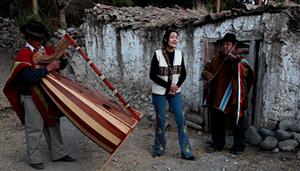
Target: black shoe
65	159
154	155
213	149
192	158
37	166
237	150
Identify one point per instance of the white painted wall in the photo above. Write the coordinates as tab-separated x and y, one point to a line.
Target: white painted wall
125	55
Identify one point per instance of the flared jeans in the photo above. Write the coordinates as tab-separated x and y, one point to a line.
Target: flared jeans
176	103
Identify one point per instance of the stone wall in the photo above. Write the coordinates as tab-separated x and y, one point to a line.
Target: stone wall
281	83
124	55
10	35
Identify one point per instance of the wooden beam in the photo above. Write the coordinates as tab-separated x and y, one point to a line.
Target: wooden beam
218	6
34	7
205	41
258	2
286	2
205	110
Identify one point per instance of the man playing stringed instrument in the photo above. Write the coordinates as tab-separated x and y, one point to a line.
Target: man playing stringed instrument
31	104
230	79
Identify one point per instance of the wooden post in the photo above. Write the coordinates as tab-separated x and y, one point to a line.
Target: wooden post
205	110
218	6
286	2
63	5
198	5
205	50
258	2
34	7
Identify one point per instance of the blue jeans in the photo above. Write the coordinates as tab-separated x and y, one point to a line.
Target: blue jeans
176	103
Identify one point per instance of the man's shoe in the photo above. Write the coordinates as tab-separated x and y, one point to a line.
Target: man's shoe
213	149
236	152
65	159
37	166
155	155
192	158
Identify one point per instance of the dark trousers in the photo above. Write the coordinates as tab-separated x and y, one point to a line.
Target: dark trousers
218	128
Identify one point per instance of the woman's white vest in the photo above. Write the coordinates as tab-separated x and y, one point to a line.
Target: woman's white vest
157	89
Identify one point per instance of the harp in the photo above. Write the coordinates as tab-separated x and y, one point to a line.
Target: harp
101	118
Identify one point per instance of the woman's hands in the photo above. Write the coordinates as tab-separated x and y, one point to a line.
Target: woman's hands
173	89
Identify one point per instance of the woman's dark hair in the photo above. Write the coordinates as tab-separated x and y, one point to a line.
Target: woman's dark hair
167	36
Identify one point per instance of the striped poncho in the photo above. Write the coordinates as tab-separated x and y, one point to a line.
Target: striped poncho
47	108
230	87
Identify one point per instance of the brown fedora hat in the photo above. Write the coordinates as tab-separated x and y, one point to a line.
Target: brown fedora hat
35	30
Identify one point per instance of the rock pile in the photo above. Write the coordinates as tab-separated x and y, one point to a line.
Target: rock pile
10	34
154	17
11	38
75	33
193	119
286	136
138	17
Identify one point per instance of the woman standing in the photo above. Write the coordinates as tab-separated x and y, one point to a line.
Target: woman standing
168	73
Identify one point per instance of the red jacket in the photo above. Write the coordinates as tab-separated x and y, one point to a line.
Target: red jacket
48	110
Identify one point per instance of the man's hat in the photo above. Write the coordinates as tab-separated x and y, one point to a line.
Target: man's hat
34	30
229	37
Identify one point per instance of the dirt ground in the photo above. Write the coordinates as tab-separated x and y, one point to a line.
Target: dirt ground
135	153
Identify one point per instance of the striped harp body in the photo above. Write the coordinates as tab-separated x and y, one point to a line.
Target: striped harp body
105	121
97	115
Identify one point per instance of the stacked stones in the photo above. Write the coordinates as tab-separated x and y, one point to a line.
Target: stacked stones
74	32
194	120
149	17
138	17
10	34
285	138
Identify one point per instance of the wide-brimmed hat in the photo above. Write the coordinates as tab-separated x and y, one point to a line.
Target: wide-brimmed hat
229	37
35	30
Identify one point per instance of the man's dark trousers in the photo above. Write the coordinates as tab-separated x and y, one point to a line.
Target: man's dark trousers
218	127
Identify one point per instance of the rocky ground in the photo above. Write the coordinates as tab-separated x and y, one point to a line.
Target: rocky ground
135	154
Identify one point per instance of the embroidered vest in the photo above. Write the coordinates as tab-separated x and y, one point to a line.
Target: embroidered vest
164	71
